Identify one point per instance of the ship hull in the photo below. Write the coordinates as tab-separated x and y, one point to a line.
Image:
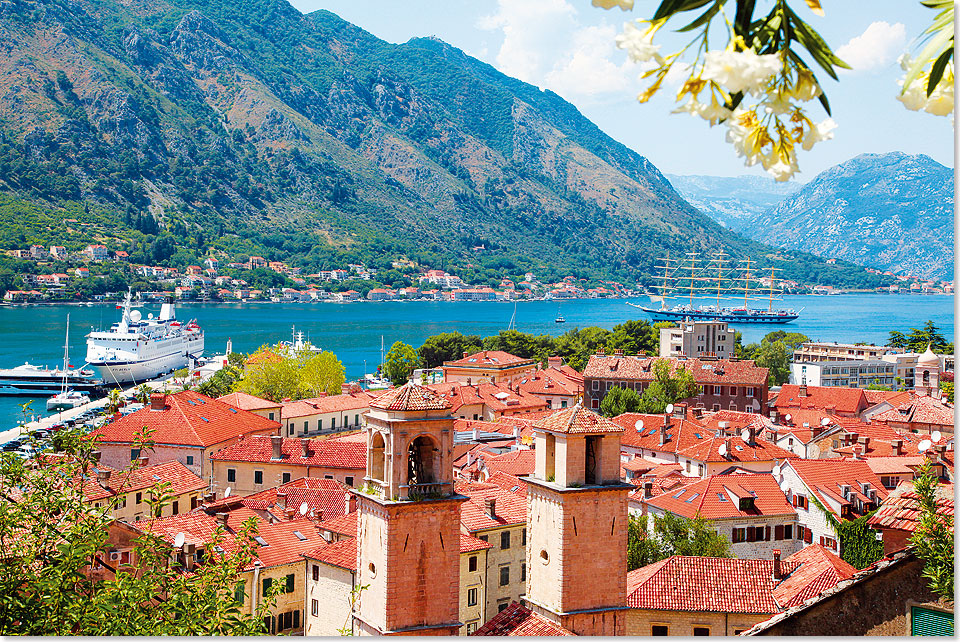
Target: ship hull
729	317
121	372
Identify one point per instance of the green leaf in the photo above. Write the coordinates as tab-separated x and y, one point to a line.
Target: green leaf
933	48
704	18
815	44
936	72
670	8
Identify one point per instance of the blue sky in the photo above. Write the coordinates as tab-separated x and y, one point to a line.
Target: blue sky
567	46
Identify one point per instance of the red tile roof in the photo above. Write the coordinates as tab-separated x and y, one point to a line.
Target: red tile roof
326	497
894	397
489	359
734	420
515	462
660	485
470	544
243	401
824	477
578	420
714	584
901	509
819	570
343	525
181	480
903	464
718	497
510	509
547	383
719	371
188	418
324	453
322	405
923	410
342	554
848	400
411	396
518	620
738	450
507	482
681	432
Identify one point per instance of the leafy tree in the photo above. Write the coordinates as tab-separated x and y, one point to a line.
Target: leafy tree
269	375
447	346
642	548
859	542
401	360
775	357
321	373
635	336
53	541
667	388
114	401
672	535
576	346
620	400
223	382
947	387
897	340
933	539
929	334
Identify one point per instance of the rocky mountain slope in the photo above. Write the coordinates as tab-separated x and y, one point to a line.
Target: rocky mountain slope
888	211
732	200
247	127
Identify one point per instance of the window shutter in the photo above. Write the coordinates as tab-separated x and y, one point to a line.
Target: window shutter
778	532
924	621
821	540
767	534
808	536
794	498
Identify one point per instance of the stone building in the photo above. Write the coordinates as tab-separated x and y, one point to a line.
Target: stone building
130	490
698	338
488	366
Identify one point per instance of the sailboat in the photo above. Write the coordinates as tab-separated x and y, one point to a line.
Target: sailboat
559	318
377	381
67	398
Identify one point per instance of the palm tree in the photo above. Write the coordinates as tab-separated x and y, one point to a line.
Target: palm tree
114	401
143	393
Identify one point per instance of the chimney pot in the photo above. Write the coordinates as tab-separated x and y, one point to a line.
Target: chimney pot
351	503
777	574
276	441
647	490
466	354
158	401
222	519
803	390
306	448
491	505
143	460
103	476
95	455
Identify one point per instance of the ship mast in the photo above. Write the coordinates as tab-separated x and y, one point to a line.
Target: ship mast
771	287
693	262
719	260
663	288
66	352
746	285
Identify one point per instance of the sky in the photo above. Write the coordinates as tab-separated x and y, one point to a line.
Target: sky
568	46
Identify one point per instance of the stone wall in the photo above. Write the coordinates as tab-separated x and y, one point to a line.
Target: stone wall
332	593
640	622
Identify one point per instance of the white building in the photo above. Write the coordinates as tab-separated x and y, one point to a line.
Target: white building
853	373
693	339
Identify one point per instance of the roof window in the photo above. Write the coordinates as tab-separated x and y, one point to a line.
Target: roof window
261	541
721	497
233	410
692	497
300	536
677	496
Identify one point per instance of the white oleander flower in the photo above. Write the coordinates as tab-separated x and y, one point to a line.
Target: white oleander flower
819	132
806	87
940	102
740	70
691	107
914	98
626	5
639	42
781	170
747	135
714	112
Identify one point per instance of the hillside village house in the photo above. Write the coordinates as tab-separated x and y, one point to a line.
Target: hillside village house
725	384
749	510
493	366
326	414
129	490
186	426
257	462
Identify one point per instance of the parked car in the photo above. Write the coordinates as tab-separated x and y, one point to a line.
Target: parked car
70	423
11	445
40	433
26	451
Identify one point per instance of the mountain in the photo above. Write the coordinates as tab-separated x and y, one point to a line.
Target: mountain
887	211
732	200
175	128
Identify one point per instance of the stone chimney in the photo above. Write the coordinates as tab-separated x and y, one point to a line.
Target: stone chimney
466	354
491	506
143	460
95	456
773	416
305	443
858	451
680	410
222	520
897	445
276	441
351	503
647	489
103	476
282	498
777	574
803	390
158	401
663	430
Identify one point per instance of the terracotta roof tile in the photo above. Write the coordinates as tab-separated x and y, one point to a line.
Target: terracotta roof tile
518	620
681	432
343	525
714	584
922	410
342	554
326	453
510	508
515	462
321	405
838	399
489	359
824	477
325	497
719	371
188	418
469	544
819	569
718	497
181	480
507	482
578	420
901	509
411	396
244	401
738	450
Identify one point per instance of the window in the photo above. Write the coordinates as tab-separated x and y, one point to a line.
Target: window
356	420
328	476
750	392
485	538
504	575
139	498
189	460
289	432
800	501
505	540
595	385
472	563
701	630
258	477
296	619
788	531
348	481
267	583
523	571
659	629
719	390
739	535
471	597
502	604
289	586
286	478
708	390
134	453
688	465
700	469
563	403
231	475
239	593
471	627
333	423
314	607
716	406
523	537
270	416
176	508
319	424
316	573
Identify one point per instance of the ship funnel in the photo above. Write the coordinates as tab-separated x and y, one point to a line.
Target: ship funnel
167	312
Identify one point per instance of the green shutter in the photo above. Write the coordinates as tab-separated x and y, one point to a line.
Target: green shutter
924	621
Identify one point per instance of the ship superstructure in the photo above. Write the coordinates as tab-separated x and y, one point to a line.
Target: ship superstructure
134	349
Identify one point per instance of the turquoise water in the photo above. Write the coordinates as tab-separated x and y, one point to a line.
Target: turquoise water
353	330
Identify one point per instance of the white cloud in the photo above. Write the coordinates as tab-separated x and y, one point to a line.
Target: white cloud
876	48
546	44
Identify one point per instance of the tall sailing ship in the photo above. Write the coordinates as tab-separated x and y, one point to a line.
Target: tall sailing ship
135	350
688	279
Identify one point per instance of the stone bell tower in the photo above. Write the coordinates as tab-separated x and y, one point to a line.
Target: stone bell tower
926	374
408	518
577	524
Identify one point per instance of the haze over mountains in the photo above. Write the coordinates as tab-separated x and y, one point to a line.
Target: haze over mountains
889	211
254	128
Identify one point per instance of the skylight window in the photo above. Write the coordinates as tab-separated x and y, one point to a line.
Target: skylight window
204	418
261	541
156	477
300	536
740	448
233	410
721	497
697	435
692	497
677	496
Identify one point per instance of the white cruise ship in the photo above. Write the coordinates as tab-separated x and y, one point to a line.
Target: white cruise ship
135	350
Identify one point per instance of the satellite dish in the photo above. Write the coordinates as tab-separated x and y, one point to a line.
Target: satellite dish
776	470
935	436
178	540
788	417
745	434
149	316
227	492
722	450
669	409
135	316
924	445
824	421
303	508
639	425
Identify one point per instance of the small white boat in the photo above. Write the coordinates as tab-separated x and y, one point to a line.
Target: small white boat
373	382
67	400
